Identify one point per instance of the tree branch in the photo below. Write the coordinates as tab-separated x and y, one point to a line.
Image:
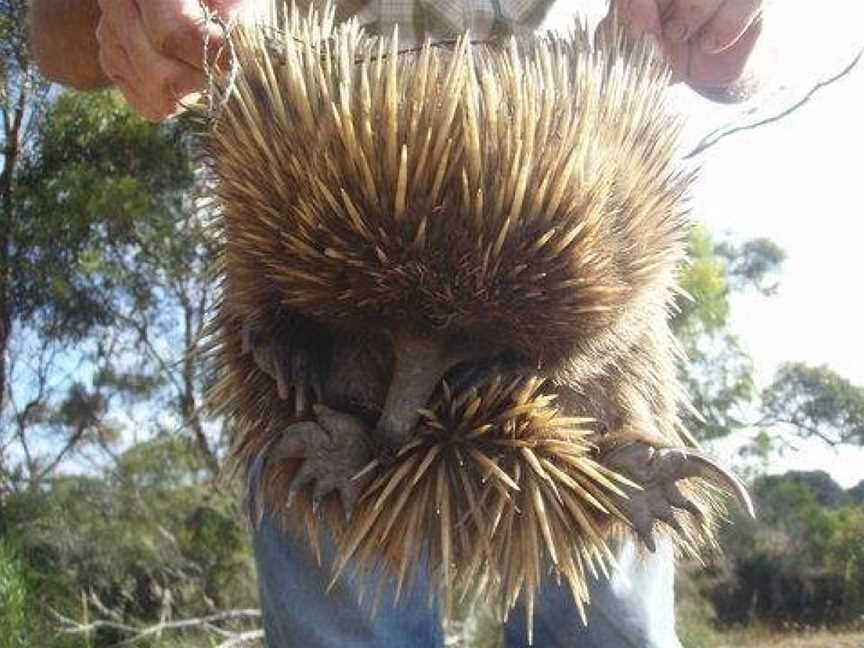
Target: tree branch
730	129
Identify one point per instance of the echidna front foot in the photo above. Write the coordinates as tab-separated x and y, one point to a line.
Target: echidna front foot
288	355
657	471
334	449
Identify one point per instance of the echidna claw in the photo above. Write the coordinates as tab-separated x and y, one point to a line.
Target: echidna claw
333	449
288	358
657	471
347	504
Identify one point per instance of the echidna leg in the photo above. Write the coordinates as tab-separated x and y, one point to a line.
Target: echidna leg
657	471
334	448
288	355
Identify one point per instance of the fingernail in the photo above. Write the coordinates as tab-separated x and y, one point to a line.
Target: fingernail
676	30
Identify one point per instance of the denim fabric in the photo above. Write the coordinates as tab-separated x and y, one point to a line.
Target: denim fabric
633	610
298	610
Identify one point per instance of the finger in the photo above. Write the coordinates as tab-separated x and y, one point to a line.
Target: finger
262	354
164	80
678	57
686	17
728	24
640	16
724	68
318	387
634	17
116	64
140	102
180	30
301	366
112	57
281	351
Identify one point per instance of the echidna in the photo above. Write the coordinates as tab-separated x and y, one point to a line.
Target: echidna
453	265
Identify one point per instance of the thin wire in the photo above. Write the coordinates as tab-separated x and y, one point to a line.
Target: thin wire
214	107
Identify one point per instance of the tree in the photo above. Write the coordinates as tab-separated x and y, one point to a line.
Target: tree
104	504
718	373
110	263
817	403
799	562
22	96
143	541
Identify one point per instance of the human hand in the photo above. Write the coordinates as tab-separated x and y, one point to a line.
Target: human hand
707	43
153	50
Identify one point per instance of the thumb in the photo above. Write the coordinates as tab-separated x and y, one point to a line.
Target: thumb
178	28
636	19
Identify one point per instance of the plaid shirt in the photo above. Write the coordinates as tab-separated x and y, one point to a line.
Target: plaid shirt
437	19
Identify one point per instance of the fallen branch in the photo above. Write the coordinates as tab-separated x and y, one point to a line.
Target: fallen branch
140	633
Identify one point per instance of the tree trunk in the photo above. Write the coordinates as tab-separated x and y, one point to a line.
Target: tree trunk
5	261
12	147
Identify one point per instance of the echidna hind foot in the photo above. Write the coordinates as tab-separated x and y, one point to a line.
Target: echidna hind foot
658	496
332	450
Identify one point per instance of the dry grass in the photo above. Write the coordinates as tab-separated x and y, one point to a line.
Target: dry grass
816	639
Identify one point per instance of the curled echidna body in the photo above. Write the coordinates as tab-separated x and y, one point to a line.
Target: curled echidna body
452	265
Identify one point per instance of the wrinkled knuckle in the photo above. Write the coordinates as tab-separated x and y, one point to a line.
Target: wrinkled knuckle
173	41
168	87
112	72
101	32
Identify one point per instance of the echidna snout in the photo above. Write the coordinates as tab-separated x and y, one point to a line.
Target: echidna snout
420	363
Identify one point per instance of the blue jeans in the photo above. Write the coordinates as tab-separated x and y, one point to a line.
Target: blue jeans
634	609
